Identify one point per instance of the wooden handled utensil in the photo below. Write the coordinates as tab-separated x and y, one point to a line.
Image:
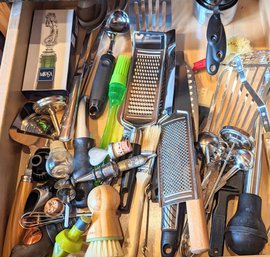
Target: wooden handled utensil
14	231
132	237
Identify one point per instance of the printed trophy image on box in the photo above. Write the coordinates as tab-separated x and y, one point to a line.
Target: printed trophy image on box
48	57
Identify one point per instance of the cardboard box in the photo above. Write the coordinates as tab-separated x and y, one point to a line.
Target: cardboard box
51	53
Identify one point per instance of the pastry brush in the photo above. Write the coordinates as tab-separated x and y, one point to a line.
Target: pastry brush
149	145
117	91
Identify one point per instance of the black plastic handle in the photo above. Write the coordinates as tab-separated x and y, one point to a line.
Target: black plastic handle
218	226
81	160
216	46
82	166
100	86
128	182
233	187
173	217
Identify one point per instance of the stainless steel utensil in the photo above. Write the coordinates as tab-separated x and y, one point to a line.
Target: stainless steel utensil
203	9
66	193
117	24
38	219
50	105
236	138
37	124
244	161
232	99
149	15
175	138
141	106
205	140
84	66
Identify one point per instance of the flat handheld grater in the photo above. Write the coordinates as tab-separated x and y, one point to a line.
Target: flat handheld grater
141	106
176	160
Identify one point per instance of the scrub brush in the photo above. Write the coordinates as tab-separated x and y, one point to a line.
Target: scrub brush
117	91
105	232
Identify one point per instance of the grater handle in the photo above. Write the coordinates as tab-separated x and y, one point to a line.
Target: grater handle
128	182
100	86
173	218
132	237
198	234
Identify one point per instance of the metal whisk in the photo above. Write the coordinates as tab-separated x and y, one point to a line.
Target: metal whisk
39	219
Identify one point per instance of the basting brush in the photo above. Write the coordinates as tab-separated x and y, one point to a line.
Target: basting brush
105	232
117	91
132	237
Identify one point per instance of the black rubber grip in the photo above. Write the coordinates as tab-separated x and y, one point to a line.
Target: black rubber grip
100	86
81	159
170	237
128	182
216	46
82	190
218	226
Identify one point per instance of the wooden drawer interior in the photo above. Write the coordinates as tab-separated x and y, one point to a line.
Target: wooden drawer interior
251	21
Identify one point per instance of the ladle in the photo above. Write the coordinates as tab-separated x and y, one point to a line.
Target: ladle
50	105
244	160
235	137
117	24
205	140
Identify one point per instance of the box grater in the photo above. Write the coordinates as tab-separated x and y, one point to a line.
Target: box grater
141	106
176	160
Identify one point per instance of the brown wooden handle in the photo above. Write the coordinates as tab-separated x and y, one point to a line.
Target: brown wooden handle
198	234
14	231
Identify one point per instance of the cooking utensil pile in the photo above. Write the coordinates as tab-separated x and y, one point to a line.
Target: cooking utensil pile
163	157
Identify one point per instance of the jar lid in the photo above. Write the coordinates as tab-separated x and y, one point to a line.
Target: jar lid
224	4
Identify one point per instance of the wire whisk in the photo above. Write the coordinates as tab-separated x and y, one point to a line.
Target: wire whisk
38	219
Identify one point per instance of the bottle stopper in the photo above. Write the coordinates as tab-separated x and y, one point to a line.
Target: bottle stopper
54	207
116	150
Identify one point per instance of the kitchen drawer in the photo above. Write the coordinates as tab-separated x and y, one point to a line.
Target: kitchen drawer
251	21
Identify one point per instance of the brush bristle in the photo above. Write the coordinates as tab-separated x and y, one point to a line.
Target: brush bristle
104	248
150	139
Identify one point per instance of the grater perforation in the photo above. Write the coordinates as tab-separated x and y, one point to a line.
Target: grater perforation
176	161
145	81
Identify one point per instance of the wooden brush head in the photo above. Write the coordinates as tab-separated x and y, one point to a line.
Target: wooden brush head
103	202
